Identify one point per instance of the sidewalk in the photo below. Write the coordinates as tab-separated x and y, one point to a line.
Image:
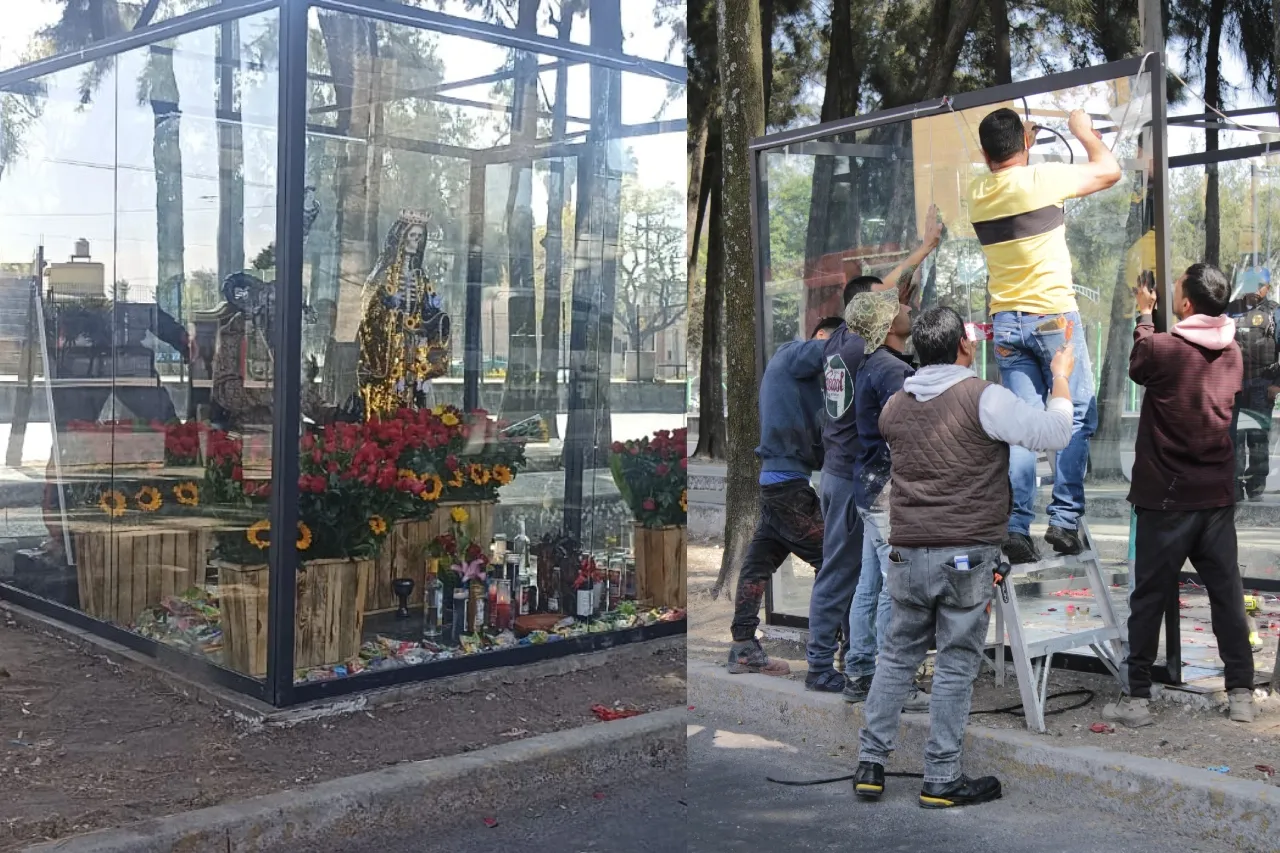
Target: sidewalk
1193	732
87	741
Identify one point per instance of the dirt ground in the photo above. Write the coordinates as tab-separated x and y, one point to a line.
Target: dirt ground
1202	738
87	743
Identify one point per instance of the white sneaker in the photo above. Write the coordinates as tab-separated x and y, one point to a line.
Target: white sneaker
1129	711
1241	708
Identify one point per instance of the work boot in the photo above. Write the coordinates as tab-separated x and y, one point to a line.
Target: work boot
824	681
1129	711
748	656
1019	549
962	792
917	701
868	782
1241	707
1065	542
856	688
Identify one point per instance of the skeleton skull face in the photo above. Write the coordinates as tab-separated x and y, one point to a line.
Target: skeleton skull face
413	239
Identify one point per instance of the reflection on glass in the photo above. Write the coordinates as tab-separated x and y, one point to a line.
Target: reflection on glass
494	294
854	204
140	336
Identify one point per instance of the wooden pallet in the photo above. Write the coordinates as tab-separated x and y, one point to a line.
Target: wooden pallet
661	565
122	571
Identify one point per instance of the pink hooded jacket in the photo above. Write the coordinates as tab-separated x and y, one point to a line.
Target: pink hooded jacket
1213	333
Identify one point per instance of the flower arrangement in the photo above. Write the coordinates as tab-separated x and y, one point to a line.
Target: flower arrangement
457	548
652	475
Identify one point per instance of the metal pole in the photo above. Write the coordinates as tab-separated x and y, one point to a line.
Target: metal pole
287	379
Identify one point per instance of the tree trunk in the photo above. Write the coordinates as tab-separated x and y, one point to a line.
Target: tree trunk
520	389
998	10
230	154
1275	71
699	131
766	52
345	38
711	423
1213	94
553	246
167	154
742	118
378	84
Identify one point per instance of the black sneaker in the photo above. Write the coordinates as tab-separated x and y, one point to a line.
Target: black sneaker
856	689
962	792
1064	541
868	782
824	681
1019	549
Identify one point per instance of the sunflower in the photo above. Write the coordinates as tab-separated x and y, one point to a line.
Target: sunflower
502	474
148	499
406	474
434	486
459	515
255	534
188	494
378	525
479	473
112	503
684	500
458	480
304	537
449	419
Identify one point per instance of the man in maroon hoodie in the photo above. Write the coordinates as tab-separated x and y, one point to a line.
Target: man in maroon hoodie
1183	487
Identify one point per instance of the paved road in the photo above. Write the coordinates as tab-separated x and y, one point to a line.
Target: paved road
637	816
732	808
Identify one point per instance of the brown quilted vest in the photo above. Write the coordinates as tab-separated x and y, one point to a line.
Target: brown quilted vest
950	479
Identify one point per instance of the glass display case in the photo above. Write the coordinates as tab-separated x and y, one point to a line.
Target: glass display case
405	281
850	198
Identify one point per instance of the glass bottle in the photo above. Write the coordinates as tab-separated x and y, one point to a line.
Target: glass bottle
553	598
433	602
586	600
475	614
502	608
460	614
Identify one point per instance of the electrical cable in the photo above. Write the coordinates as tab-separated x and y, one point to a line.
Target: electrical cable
1015	710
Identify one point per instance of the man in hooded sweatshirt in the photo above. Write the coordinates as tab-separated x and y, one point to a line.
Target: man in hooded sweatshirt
948	434
1183	485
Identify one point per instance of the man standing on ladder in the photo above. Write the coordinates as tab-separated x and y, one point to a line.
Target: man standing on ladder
1017	214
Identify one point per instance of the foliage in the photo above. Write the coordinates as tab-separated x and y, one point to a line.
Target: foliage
651	287
652	475
462	552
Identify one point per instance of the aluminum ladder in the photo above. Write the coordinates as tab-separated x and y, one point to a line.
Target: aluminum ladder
1032	661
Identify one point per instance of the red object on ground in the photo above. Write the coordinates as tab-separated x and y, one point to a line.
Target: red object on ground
1102	729
608	715
1266	768
491	822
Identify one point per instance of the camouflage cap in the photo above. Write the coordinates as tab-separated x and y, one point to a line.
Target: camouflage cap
871	315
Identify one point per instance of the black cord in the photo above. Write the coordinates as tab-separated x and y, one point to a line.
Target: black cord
1014	710
1070	153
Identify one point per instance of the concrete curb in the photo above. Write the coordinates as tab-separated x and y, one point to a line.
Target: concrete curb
1194	802
418	794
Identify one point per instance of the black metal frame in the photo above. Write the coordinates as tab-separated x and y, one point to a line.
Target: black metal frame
278	687
1154	65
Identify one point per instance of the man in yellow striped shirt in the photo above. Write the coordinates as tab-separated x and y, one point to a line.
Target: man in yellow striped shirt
1017	215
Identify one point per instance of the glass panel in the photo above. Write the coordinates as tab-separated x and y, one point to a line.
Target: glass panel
855	204
1248	236
142	183
35	29
643	28
485	229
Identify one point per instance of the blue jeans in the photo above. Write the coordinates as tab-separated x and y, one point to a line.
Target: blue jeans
869	615
838	578
930	595
1025	345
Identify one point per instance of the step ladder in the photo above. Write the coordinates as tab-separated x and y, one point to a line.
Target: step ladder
1032	661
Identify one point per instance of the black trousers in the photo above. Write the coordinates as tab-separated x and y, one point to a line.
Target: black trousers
1165	541
790	523
1253	453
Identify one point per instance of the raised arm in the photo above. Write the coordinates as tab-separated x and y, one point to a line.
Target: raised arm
899	277
1142	358
1102	171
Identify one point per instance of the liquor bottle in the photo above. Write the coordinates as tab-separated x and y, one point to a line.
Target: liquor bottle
433	602
586	603
475	607
553	600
